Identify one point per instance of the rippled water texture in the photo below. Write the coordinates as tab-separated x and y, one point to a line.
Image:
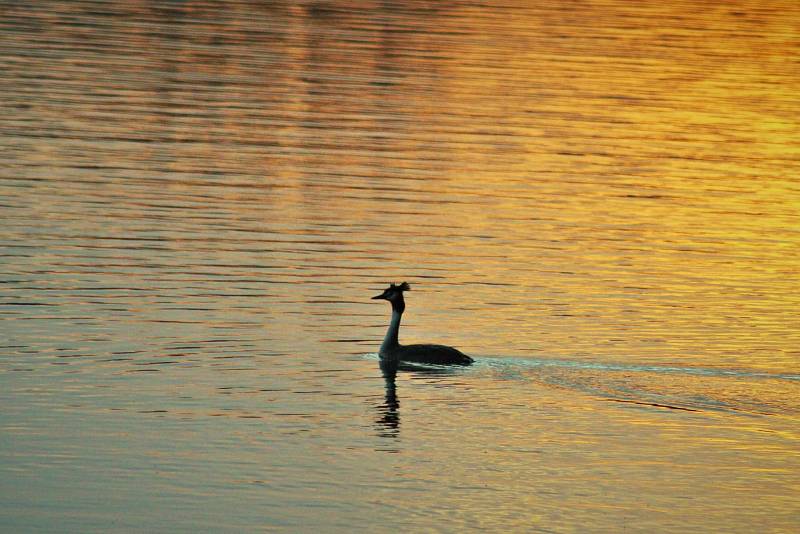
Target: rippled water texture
598	200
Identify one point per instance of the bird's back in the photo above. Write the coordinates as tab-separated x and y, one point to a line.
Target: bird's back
435	354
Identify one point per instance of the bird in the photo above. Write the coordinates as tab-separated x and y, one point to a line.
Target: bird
392	351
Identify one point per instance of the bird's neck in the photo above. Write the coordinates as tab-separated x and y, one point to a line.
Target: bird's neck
390	341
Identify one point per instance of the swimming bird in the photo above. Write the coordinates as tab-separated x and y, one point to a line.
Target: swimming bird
392	351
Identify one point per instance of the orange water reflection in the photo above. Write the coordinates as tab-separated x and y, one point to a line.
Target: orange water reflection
596	199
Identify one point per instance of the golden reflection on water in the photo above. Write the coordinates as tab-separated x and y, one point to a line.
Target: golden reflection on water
597	199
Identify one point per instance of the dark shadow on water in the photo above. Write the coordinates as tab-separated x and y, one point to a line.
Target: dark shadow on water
420	369
388	420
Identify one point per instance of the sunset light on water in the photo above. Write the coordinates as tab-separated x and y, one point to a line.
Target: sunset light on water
597	201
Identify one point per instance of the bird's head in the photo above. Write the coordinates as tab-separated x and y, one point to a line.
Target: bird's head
393	293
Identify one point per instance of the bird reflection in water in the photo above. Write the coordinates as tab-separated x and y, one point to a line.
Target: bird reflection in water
388	421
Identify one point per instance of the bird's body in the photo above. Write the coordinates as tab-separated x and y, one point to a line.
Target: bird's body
391	350
430	353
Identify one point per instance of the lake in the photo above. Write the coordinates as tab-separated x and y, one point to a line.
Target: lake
597	200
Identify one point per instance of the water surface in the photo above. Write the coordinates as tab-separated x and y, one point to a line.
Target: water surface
597	200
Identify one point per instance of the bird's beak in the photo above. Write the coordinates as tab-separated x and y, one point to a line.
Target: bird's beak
381	296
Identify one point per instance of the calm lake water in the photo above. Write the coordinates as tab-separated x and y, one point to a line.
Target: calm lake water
598	200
